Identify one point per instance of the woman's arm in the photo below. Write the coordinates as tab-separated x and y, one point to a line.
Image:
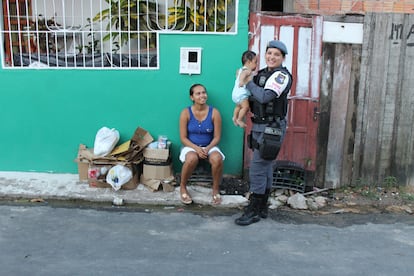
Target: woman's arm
217	129
184	118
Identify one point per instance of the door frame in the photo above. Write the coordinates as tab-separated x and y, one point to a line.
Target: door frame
256	21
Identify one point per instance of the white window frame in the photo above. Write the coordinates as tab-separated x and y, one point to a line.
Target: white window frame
66	39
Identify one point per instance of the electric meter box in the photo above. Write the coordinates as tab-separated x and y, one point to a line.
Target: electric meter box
190	60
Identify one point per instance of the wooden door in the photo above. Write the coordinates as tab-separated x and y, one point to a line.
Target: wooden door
303	38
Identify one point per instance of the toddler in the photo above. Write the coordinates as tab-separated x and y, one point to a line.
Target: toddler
240	94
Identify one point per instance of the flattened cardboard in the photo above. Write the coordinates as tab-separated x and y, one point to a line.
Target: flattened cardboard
132	150
155	184
86	155
121	148
141	138
152	184
167	187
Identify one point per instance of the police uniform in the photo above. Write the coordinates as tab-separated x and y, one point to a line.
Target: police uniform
268	103
269	107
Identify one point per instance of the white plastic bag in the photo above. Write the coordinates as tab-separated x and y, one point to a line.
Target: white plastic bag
118	175
105	141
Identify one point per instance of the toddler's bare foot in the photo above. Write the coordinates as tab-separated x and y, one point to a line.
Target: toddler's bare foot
240	123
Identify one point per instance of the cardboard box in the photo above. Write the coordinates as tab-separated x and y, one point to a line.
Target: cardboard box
83	170
100	180
157	171
156	154
83	162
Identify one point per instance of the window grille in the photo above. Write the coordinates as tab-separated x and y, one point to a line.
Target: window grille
105	34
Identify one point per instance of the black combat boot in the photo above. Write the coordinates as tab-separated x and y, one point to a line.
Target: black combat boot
251	212
264	207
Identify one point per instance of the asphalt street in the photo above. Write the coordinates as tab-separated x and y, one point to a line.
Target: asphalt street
50	240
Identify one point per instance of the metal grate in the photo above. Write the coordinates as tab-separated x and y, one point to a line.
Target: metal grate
118	34
289	175
201	174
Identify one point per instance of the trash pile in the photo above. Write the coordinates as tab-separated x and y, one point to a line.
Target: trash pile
109	165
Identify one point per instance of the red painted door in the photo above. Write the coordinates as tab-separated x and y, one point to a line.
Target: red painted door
303	38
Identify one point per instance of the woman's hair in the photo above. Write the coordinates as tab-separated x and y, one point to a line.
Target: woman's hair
194	85
247	55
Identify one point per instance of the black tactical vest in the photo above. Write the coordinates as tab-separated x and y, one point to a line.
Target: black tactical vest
277	108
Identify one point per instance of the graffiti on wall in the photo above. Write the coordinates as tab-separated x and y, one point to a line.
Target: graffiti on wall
397	33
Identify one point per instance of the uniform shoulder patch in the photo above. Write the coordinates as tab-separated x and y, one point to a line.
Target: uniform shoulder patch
280	78
277	82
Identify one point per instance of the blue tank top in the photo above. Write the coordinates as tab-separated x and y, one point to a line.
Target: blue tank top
200	133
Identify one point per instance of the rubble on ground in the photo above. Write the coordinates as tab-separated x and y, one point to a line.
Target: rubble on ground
334	201
296	200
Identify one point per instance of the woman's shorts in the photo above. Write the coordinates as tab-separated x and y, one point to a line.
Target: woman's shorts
185	150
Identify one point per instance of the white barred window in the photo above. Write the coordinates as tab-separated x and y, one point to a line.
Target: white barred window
106	34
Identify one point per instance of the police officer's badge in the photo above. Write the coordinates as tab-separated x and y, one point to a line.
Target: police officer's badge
262	81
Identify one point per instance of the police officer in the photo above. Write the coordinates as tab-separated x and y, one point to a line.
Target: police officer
268	103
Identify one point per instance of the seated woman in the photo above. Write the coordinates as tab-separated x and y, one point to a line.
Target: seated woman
200	133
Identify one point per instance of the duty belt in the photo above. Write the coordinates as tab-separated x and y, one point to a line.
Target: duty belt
265	120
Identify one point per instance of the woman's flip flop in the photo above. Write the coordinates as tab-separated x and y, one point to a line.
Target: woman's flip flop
216	199
186	199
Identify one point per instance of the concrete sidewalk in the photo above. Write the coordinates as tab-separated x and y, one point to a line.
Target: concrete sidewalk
68	187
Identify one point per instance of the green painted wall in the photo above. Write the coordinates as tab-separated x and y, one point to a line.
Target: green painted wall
46	114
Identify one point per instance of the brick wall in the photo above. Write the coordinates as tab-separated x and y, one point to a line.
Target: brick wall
331	7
